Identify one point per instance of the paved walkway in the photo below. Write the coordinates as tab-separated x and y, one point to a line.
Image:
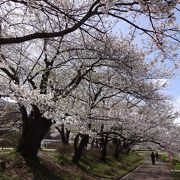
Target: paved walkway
147	171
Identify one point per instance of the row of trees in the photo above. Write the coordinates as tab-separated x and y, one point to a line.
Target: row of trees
63	67
121	119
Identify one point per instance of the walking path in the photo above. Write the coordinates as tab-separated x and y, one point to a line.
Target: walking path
147	171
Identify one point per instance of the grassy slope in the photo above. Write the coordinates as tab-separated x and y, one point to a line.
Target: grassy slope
53	166
111	168
175	163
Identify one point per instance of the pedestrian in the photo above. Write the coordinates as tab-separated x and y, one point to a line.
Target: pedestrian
157	156
153	158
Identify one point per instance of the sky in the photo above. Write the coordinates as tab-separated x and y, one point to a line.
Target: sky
173	89
173	85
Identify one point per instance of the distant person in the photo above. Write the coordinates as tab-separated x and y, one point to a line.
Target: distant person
157	156
153	158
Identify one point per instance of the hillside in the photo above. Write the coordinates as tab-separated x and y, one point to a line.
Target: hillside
53	166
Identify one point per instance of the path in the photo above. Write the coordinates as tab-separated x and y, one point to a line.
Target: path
147	171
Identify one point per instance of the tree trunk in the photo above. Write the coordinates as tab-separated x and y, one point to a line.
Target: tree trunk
116	153
79	146
64	134
34	129
92	143
129	148
124	148
104	148
67	135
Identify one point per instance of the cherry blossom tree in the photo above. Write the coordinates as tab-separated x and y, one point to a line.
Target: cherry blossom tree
48	48
118	79
10	124
130	123
146	124
40	83
24	20
10	116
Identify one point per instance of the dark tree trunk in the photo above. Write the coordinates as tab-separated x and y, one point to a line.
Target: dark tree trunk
34	129
80	142
129	148
125	147
97	143
64	134
116	153
92	143
67	135
104	147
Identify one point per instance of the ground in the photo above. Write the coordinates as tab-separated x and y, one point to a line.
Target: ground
147	171
55	166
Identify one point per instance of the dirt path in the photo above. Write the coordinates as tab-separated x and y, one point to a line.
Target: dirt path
147	171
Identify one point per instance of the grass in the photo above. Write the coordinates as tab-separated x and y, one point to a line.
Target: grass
176	175
45	169
111	168
164	156
53	166
3	176
176	162
61	159
175	165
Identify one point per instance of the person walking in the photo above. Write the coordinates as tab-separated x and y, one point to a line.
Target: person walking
153	158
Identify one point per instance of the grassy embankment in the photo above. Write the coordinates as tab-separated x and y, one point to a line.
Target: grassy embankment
53	166
175	165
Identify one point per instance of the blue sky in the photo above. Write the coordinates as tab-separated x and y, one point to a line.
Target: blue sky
173	87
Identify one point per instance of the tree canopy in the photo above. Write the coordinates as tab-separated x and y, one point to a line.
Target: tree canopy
63	66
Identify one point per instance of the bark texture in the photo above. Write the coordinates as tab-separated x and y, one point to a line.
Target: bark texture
80	142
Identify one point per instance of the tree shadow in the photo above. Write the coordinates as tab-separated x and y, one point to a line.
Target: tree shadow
41	171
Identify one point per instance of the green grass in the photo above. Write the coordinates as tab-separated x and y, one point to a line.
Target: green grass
3	176
61	159
41	171
164	157
111	168
176	175
175	164
35	169
176	160
48	168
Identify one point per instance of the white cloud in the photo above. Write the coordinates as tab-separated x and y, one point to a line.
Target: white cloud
177	108
160	82
177	103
